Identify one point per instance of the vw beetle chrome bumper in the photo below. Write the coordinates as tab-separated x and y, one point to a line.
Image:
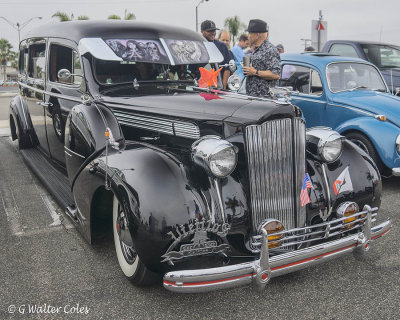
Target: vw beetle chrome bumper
262	270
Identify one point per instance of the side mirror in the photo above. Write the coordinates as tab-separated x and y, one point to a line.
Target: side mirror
64	75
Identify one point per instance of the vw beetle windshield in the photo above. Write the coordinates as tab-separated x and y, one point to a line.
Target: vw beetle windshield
348	76
116	72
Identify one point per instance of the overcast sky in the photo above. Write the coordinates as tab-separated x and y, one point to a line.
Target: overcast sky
289	20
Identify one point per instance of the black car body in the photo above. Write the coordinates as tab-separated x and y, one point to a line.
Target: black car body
204	186
384	55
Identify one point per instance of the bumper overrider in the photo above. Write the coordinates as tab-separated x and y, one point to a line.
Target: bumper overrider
260	271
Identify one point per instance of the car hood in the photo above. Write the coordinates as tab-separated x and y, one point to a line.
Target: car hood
371	101
201	106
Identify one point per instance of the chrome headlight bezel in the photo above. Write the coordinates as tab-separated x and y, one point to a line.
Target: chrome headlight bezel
398	143
234	82
324	143
206	152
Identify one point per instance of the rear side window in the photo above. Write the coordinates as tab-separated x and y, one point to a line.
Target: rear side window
345	50
62	57
37	61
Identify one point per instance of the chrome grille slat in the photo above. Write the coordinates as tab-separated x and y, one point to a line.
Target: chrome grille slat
158	124
276	156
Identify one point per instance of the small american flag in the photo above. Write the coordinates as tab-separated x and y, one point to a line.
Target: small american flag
304	198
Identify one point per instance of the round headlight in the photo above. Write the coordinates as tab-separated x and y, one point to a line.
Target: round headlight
234	82
324	143
215	155
330	150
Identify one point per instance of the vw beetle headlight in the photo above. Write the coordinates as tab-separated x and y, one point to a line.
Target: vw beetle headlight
216	155
324	143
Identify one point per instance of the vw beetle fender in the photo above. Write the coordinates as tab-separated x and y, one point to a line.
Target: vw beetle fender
382	134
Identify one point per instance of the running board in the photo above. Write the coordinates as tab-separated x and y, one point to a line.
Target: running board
54	181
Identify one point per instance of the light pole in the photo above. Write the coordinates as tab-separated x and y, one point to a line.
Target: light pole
197	15
19	26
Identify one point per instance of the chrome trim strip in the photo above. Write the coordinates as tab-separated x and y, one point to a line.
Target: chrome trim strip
325	215
52	94
307	99
205	280
77	154
175	127
352	108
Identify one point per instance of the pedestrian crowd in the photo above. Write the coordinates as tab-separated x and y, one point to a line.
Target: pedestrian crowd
257	59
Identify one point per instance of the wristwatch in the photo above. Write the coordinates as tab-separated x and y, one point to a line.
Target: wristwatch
256	72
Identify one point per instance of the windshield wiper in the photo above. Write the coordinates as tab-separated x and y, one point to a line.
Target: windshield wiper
358	87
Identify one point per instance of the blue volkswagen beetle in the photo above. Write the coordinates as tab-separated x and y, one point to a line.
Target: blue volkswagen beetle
350	96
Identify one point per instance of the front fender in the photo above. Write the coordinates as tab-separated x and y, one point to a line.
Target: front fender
153	189
364	178
382	134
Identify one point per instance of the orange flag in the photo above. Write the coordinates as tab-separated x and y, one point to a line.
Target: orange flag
208	77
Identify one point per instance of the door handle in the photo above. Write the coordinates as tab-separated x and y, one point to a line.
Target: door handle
44	104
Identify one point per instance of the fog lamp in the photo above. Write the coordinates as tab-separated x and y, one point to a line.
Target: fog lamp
272	227
347	209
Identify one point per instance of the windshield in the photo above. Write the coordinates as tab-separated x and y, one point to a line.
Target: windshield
348	76
117	72
383	56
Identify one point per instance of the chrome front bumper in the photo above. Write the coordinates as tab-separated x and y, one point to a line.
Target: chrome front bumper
262	270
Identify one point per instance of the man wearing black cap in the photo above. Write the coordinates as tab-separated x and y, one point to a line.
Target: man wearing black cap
208	30
265	61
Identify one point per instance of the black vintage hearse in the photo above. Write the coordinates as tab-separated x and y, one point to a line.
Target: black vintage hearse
209	188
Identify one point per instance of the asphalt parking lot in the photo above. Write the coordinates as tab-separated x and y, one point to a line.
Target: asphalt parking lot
46	264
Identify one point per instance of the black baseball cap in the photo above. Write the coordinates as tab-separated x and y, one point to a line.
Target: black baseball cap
257	26
208	25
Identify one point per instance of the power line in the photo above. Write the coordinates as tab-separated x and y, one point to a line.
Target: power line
89	2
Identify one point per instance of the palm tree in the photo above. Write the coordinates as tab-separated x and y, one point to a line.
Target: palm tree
65	17
114	17
234	25
6	55
127	16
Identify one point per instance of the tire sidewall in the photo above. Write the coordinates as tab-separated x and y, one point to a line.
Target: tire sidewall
129	270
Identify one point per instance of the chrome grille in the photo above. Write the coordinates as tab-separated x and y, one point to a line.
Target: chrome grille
158	124
276	160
